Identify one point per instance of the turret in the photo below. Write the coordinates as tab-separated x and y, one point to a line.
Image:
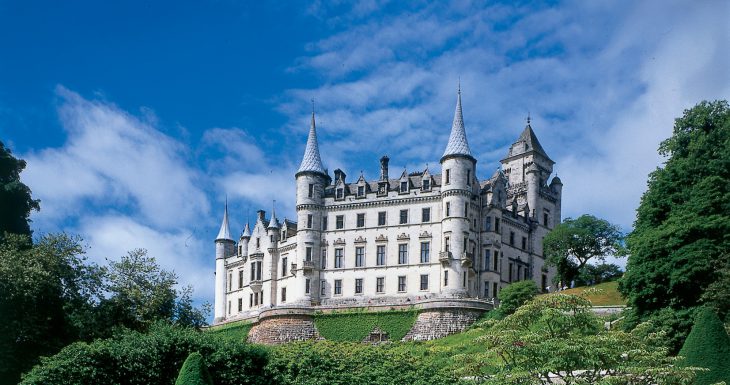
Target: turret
311	179
243	242
224	248
532	178
458	167
556	185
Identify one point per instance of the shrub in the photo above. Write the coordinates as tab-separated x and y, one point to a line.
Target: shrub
151	358
516	295
708	346
194	372
355	326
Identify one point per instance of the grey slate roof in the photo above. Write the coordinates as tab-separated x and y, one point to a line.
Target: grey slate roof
457	140
224	233
312	161
525	143
246	231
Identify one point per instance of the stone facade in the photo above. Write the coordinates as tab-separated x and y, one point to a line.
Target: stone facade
420	236
438	323
280	328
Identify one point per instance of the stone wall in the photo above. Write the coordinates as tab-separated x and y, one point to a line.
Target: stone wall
438	323
283	328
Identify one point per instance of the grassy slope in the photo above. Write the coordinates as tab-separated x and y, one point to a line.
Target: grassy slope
608	297
237	331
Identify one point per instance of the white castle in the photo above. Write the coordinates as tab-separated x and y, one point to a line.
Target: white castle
416	237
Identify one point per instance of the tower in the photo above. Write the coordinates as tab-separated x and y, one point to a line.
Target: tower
458	168
243	242
224	248
311	179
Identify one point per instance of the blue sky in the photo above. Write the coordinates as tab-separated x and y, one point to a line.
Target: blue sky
138	118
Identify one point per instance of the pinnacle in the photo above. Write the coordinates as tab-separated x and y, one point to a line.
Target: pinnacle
458	144
311	160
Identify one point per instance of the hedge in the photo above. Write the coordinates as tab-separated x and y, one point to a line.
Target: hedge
708	346
355	326
194	372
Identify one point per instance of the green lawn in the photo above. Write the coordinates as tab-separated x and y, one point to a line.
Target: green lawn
609	295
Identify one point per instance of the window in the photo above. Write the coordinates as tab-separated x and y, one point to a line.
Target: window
230	281
464	279
448	176
487	253
381	218
240	304
488	224
324	259
340	193
229	307
311	191
250	300
448	208
380	255
240	279
307	285
358	286
512	238
253	271
258	270
403	216
424	281
494	290
426	184
446	244
466	210
258	242
308	254
496	260
468	177
322	288
361	220
524	243
360	191
401	283
426	214
510	272
283	267
324	223
425	251
403	186
339	259
256	298
463	247
446	278
380	284
338	287
309	221
283	294
402	254
545	219
496	225
271	238
340	222
519	272
359	256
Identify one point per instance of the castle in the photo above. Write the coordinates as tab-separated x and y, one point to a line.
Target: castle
418	237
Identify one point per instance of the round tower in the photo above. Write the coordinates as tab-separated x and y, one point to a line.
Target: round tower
311	179
556	185
532	178
244	241
224	248
458	168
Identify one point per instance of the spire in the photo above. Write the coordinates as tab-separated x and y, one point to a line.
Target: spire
457	140
273	223
246	232
312	161
224	234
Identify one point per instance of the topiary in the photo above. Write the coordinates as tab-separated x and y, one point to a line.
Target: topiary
194	372
708	346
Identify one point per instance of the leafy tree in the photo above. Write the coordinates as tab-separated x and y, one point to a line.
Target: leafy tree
515	295
575	242
16	202
47	298
680	239
194	372
595	274
708	346
556	338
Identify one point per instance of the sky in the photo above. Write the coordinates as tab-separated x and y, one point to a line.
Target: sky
138	119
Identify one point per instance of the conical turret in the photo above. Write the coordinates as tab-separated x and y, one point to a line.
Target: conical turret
224	234
312	162
458	144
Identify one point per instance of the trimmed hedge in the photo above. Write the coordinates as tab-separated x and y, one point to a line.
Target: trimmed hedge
355	326
237	332
708	346
194	372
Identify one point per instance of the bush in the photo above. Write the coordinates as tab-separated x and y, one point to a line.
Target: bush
193	371
516	295
708	346
355	326
151	358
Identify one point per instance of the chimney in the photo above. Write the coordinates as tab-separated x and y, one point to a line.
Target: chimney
261	214
384	167
340	174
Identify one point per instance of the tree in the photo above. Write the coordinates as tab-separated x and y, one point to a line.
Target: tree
556	338
16	202
708	346
194	372
515	295
595	274
575	242
679	243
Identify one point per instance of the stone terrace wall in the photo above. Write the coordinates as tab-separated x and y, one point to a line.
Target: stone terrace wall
283	326
438	323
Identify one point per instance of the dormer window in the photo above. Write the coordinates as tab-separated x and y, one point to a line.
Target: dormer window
360	191
404	186
340	193
426	185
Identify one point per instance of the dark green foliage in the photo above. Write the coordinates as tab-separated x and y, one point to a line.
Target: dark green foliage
595	274
708	346
327	362
15	199
154	357
237	332
515	295
355	326
194	372
682	230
